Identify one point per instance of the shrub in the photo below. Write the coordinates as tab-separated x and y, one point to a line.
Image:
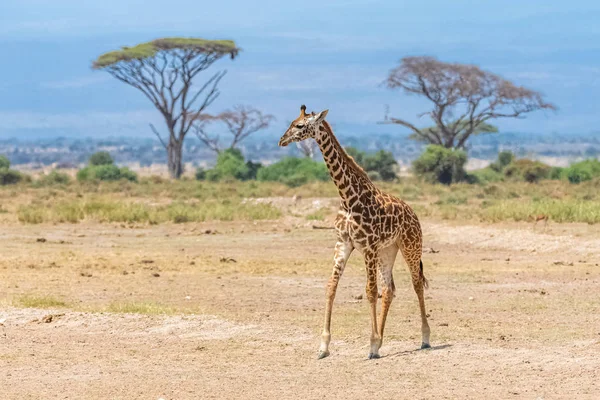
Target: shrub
128	174
4	162
200	174
230	165
10	176
101	158
374	176
357	155
556	173
294	171
84	174
536	172
383	163
54	178
484	175
439	164
106	173
253	169
504	159
379	166
583	171
527	170
295	180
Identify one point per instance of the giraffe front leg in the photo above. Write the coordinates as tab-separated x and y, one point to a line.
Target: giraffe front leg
342	253
373	264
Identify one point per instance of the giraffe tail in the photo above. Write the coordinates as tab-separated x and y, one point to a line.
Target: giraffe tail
422	276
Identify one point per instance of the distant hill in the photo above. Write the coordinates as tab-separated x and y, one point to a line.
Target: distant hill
555	148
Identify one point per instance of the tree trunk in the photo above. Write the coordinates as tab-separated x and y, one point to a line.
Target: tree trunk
174	153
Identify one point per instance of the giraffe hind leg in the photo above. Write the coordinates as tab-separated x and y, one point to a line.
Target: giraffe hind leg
419	284
419	281
373	264
388	257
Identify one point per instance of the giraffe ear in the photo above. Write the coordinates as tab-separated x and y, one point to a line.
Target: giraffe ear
321	116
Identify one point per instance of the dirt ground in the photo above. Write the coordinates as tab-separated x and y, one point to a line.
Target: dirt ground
234	310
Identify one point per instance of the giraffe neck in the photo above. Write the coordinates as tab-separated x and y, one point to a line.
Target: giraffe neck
350	179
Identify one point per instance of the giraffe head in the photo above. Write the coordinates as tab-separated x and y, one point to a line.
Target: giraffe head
304	127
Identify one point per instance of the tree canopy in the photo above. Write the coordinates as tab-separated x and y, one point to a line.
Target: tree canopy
464	98
150	49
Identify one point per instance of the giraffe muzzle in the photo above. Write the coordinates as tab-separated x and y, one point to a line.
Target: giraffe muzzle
283	142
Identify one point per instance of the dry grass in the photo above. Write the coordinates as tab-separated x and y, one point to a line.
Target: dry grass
32	301
146	308
154	201
111	210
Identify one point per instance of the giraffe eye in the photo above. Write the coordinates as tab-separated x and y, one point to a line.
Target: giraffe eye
300	126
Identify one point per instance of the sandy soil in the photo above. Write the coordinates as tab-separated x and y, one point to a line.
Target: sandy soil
233	310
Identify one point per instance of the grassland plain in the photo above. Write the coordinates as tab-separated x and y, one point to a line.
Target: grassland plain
229	305
154	201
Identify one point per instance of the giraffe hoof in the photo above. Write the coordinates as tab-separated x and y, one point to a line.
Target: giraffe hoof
373	356
425	346
323	354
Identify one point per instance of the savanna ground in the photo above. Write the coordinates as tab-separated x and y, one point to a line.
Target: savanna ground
194	290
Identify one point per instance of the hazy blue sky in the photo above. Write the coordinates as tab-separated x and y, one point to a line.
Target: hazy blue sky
327	54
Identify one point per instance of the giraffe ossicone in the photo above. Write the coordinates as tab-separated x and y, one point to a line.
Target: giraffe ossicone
376	224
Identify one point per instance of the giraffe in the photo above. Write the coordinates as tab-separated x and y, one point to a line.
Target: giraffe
374	223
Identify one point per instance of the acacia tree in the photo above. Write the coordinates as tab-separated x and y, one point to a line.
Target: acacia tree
240	123
464	98
165	70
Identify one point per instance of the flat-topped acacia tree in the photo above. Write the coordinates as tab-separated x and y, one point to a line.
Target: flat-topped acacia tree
464	99
165	71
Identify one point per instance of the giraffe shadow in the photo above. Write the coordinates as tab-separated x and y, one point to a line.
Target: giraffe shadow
404	352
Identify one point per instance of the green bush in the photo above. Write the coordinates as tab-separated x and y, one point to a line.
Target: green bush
583	171
200	174
357	155
101	158
536	172
439	164
128	174
504	159
10	177
106	173
374	176
379	166
4	162
230	165
295	180
527	170
557	173
253	169
485	175
383	163
54	178
294	171
84	174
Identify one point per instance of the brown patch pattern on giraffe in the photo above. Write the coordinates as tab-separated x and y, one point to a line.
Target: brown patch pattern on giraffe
375	223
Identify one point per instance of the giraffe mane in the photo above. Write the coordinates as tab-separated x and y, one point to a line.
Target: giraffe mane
347	157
